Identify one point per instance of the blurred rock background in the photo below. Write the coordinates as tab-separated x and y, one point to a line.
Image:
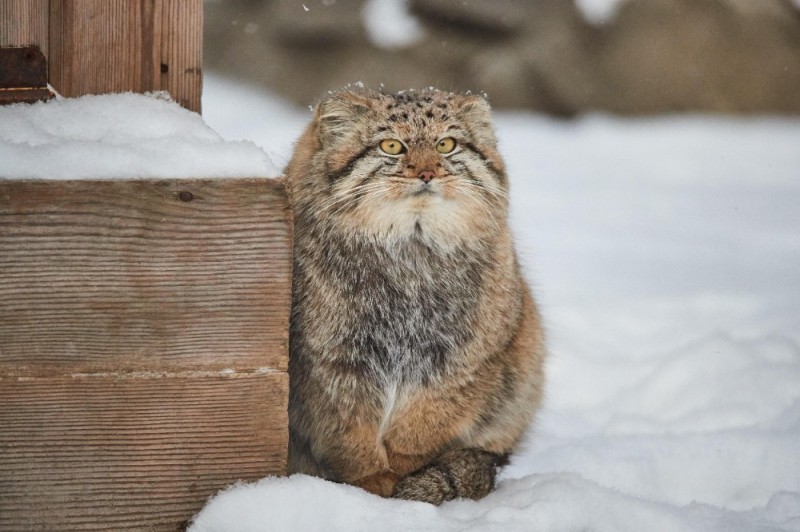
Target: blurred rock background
562	57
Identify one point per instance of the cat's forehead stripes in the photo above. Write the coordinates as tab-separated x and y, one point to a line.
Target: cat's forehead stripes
412	115
402	106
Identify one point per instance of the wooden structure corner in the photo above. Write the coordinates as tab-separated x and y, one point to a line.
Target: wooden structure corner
143	347
100	46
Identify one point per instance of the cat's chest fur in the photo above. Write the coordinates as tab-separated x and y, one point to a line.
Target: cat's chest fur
409	306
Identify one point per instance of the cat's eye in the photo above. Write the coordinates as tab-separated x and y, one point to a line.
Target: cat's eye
446	145
392	146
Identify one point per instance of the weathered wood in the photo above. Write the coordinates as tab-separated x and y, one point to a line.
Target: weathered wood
96	46
125	276
23	50
24	23
23	75
143	347
22	67
181	64
133	452
102	46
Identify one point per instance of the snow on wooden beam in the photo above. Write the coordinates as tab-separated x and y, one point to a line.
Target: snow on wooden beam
143	347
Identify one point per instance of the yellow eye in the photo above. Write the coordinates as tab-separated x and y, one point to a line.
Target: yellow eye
392	146
446	145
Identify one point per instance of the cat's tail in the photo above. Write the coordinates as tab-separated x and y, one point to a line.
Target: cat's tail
459	473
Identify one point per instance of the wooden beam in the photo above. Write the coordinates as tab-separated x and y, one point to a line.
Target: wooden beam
133	452
128	277
102	46
96	46
24	23
143	347
181	65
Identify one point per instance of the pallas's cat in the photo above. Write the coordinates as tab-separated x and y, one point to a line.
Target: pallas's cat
416	349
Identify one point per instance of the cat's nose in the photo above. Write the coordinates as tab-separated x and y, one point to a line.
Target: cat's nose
426	175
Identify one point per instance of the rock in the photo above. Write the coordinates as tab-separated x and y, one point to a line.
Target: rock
700	55
654	56
497	17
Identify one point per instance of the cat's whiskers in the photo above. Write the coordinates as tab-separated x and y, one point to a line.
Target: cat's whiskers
489	191
357	197
480	201
349	194
484	186
489	187
369	194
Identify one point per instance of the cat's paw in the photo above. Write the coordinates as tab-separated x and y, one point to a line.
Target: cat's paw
432	484
382	483
459	473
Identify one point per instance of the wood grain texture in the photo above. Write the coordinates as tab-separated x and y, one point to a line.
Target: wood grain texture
24	22
182	51
140	453
96	46
143	347
106	46
102	276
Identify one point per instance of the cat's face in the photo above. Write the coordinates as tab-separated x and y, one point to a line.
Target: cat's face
422	163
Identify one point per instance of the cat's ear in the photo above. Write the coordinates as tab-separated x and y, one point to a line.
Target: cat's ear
475	113
339	114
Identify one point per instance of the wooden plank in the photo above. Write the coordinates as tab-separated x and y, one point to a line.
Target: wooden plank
143	347
24	23
152	35
182	51
102	46
133	452
143	275
95	46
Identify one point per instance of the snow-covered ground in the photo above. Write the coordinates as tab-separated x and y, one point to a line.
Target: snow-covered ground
665	254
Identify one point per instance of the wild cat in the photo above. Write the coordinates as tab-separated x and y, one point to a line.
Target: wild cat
416	349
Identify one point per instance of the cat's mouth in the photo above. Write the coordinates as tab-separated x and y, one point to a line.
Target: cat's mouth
424	189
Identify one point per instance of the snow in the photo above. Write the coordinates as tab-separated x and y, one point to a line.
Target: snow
390	24
119	136
664	253
548	502
599	12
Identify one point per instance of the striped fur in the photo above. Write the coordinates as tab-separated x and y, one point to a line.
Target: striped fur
416	350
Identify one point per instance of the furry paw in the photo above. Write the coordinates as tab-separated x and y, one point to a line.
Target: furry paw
460	473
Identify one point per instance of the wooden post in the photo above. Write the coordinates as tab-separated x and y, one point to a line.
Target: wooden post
102	46
181	65
143	347
24	23
99	46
